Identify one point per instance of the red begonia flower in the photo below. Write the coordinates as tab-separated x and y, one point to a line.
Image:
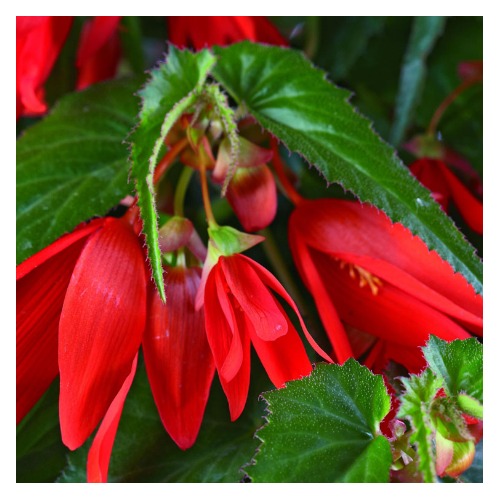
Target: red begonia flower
39	40
374	275
444	184
203	31
240	309
99	50
177	355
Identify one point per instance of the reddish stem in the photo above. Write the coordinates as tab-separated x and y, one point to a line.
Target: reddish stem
167	160
447	101
279	168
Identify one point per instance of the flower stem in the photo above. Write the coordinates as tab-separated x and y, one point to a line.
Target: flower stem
180	190
204	188
169	157
431	130
279	168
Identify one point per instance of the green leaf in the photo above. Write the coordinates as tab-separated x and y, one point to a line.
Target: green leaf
72	165
324	428
459	363
416	406
40	454
294	101
143	451
425	32
173	88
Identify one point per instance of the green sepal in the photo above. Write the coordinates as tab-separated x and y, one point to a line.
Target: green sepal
228	240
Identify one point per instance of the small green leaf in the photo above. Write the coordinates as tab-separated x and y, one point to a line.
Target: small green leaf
325	428
72	165
416	406
459	363
173	88
294	101
425	32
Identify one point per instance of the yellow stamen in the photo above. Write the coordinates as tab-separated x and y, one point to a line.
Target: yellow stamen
364	276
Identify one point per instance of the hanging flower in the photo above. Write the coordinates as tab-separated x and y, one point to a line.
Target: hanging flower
99	50
205	31
39	40
399	297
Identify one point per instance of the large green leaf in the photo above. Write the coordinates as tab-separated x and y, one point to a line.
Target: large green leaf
325	428
459	363
294	101
72	165
143	451
425	31
416	406
173	88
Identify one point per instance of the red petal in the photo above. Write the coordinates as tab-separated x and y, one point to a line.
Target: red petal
328	313
252	195
254	297
470	208
391	314
426	171
285	358
100	451
269	280
96	33
178	359
234	357
26	24
36	54
101	327
99	51
267	32
57	247
175	234
220	337
341	226
40	296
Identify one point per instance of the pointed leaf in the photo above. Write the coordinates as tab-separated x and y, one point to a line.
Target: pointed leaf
171	91
294	101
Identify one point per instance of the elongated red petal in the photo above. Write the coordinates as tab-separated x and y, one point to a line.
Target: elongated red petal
220	337
95	35
426	171
390	314
470	208
417	289
100	451
252	196
101	327
178	359
341	226
99	51
268	279
40	296
285	358
326	308
254	298
58	246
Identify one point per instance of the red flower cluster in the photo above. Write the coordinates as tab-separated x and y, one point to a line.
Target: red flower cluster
40	39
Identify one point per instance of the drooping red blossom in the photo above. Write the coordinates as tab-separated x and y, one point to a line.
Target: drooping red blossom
81	311
99	50
445	185
400	297
39	40
178	359
205	31
240	309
